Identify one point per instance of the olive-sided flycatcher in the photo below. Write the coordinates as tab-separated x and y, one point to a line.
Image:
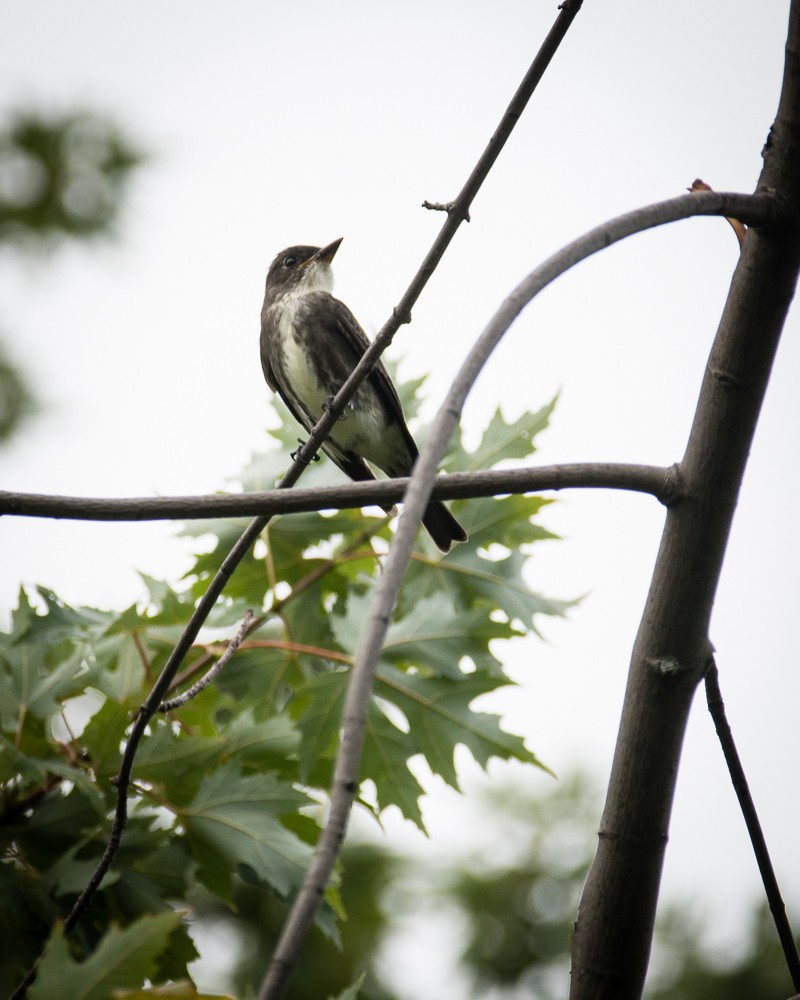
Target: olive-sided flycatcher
310	343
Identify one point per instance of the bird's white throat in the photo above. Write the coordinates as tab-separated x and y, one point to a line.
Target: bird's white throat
317	277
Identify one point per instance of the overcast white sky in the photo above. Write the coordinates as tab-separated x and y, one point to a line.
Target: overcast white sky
270	124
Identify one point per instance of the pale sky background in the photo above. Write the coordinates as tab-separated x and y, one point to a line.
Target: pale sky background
274	123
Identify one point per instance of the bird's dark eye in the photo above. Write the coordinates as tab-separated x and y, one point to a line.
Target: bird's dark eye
289	261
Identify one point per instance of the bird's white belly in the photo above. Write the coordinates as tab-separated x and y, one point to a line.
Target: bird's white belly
364	423
301	376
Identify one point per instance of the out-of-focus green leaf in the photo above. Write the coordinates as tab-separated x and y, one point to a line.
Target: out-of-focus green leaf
61	175
124	958
28	686
183	990
103	736
17	399
351	993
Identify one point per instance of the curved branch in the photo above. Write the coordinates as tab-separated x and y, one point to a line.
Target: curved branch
661	482
756	210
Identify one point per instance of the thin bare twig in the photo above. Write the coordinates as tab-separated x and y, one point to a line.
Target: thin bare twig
659	481
208	677
716	707
301	647
443	206
754	209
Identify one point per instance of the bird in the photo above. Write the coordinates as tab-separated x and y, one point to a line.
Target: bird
310	343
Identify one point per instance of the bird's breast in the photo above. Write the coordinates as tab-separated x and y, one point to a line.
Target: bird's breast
312	365
301	374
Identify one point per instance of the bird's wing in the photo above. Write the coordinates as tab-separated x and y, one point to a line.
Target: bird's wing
354	466
347	328
297	411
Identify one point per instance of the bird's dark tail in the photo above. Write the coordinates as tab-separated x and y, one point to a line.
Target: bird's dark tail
442	526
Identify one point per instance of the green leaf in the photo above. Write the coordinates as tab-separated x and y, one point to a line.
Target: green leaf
351	993
117	670
70	874
266	744
124	958
505	521
20	768
499	582
176	761
167	868
387	750
103	736
439	717
61	621
29	686
182	990
502	441
319	707
57	821
261	677
432	635
233	822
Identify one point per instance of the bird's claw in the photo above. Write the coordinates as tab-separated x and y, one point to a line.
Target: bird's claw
293	456
327	403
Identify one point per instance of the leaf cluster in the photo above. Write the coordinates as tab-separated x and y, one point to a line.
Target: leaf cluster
228	789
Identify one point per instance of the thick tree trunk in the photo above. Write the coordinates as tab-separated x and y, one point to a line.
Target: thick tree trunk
614	928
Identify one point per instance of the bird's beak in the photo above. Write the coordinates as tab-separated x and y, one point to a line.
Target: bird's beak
326	254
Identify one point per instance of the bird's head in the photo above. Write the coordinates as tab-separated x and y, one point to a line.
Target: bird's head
306	269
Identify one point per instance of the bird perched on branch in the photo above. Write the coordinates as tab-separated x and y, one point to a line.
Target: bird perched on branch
310	343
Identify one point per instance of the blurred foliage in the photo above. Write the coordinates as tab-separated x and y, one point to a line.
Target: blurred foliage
62	178
369	871
229	788
513	892
16	399
520	904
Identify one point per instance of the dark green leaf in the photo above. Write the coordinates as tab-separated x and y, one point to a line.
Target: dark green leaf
502	441
261	744
234	822
440	717
319	707
432	636
124	958
387	750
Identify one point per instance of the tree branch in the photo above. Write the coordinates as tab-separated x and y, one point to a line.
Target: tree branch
758	210
716	707
182	699
661	482
614	929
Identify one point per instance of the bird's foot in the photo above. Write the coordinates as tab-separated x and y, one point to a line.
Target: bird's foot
301	442
327	403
